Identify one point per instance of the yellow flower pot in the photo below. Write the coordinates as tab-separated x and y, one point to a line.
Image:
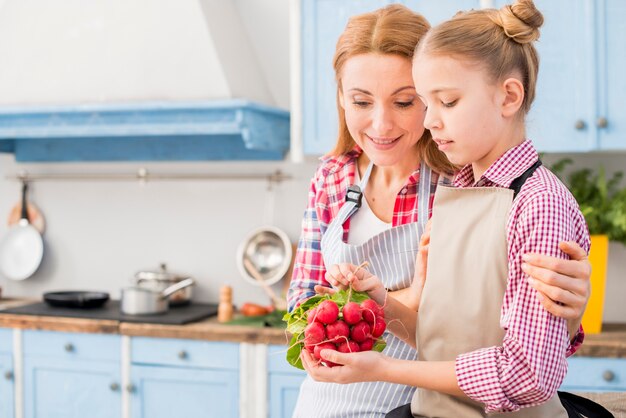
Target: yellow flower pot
598	257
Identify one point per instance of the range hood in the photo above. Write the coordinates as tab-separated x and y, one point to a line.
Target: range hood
112	80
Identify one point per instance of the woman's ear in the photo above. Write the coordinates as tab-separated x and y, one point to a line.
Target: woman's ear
340	98
513	90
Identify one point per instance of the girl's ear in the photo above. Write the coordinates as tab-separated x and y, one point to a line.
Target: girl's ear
513	90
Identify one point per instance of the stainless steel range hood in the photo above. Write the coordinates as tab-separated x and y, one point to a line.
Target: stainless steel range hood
133	80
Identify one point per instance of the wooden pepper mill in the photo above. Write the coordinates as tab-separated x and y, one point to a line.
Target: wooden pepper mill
225	307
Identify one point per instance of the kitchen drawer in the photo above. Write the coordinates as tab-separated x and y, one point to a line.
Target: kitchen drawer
595	374
72	346
184	353
6	340
277	361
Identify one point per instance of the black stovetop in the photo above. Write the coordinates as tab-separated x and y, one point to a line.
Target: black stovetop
176	315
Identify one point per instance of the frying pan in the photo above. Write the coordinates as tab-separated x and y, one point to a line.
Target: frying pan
21	250
76	299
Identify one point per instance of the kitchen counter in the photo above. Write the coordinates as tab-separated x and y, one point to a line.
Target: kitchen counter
610	343
208	329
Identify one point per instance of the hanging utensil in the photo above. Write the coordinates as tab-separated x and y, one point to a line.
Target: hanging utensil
21	250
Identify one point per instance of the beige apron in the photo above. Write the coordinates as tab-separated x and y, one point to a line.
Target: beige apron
464	290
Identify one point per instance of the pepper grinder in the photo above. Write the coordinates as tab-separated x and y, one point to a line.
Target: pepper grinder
225	307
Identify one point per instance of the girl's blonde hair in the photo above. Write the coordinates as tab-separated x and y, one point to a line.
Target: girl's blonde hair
500	40
394	30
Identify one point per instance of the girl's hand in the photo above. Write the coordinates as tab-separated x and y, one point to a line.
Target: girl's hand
421	262
351	367
563	284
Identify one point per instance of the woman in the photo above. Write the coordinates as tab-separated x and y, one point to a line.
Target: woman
383	147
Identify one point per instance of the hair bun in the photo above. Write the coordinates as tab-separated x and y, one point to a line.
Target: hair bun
521	21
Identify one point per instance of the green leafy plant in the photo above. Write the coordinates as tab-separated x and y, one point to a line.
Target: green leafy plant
602	201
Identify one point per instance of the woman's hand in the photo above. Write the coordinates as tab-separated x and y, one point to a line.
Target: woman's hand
563	285
352	367
345	275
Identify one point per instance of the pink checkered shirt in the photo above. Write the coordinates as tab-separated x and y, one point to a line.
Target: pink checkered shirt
530	365
326	196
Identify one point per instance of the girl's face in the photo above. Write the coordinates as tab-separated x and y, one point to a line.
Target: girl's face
383	114
463	109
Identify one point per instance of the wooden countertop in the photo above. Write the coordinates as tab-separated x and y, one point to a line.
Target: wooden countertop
208	329
610	343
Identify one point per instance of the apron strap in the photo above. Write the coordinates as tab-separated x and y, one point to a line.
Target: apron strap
516	185
354	195
423	196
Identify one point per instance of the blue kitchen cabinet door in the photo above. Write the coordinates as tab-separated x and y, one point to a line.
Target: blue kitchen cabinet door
166	392
70	388
594	374
284	383
283	391
6	386
611	53
322	21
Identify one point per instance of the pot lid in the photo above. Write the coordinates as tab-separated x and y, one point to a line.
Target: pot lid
161	274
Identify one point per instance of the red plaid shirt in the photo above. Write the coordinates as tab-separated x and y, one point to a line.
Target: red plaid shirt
530	365
326	196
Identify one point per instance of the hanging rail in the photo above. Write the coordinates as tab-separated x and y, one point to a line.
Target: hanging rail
143	175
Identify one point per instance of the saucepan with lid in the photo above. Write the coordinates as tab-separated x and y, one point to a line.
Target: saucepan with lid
143	301
161	279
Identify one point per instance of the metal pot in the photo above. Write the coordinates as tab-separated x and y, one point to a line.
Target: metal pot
143	301
161	280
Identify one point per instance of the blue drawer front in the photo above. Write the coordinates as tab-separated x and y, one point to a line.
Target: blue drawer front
277	361
185	353
6	340
67	345
595	374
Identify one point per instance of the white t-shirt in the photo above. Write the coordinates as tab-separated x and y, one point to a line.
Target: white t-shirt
364	224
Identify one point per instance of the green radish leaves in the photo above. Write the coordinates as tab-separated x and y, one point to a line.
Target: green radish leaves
297	321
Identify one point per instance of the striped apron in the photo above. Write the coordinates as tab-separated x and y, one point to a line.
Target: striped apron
391	256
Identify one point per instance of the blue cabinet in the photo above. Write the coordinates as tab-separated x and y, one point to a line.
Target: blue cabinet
71	375
6	374
283	383
184	378
591	374
580	92
322	22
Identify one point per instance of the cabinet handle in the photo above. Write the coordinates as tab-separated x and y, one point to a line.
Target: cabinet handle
608	376
602	122
114	387
580	125
69	347
8	375
130	388
183	355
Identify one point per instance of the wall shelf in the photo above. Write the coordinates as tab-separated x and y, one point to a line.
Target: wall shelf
163	131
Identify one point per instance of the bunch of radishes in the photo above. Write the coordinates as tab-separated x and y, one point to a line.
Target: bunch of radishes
350	328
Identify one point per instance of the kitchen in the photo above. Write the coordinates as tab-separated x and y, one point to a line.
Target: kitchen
100	232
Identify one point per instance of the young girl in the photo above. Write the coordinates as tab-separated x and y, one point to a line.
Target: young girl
485	343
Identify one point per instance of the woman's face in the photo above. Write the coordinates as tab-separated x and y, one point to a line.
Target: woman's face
383	113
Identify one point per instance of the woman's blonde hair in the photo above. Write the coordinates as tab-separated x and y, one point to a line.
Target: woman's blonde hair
395	30
500	40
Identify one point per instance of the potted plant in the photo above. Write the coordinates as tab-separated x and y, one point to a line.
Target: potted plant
603	204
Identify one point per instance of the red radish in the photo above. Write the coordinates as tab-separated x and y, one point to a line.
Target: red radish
314	333
360	332
349	347
338	331
371	310
327	312
320	347
378	327
310	316
352	313
367	345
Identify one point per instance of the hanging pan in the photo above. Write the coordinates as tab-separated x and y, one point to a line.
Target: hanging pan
21	250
